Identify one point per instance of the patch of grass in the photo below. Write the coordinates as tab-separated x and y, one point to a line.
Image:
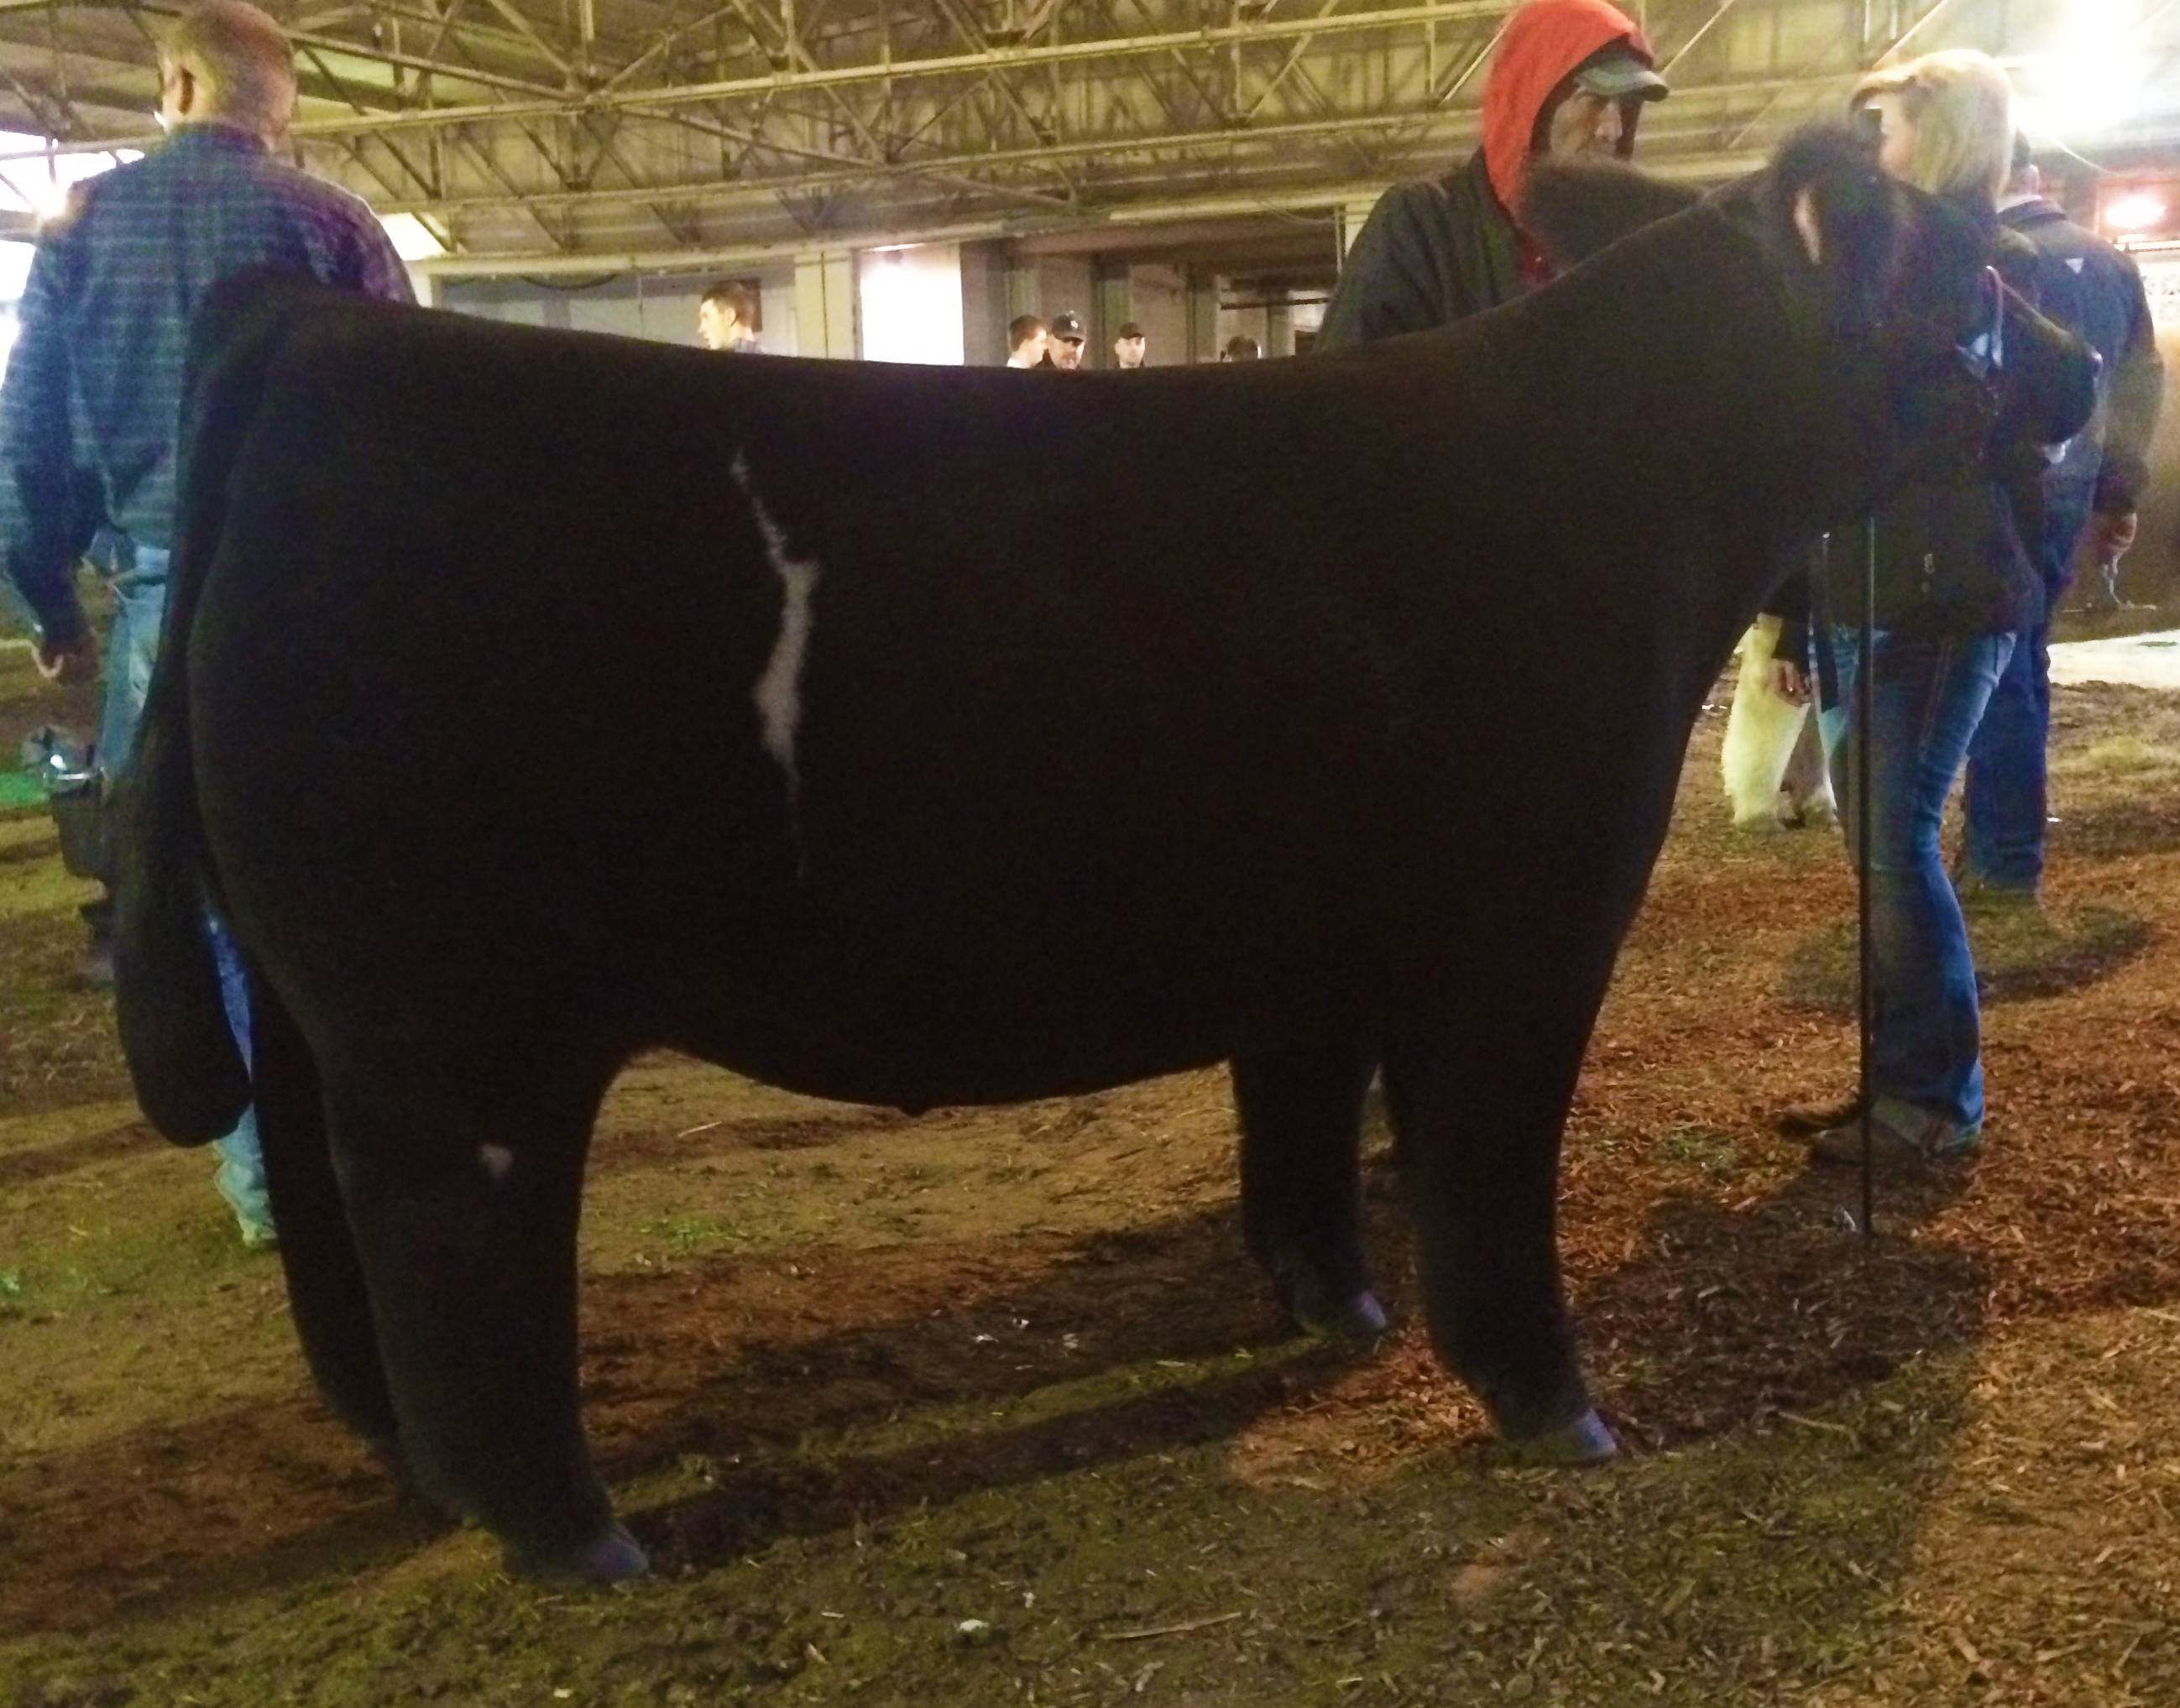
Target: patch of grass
2115	755
2019	954
1707	1148
683	1236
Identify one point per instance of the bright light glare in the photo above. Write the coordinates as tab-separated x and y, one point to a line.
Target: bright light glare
39	183
912	303
2135	213
413	239
14	269
2091	79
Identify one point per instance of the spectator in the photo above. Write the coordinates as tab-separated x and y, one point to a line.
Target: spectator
95	378
1026	339
726	318
1240	348
1954	586
1064	346
1571	79
2092	289
1128	347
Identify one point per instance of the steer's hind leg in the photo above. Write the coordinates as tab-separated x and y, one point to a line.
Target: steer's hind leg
326	1296
1478	1100
465	1198
1300	1112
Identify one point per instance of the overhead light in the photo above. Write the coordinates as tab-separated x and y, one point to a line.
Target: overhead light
2092	78
2136	213
413	239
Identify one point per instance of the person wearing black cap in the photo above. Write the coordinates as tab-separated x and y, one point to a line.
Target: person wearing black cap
1572	79
1128	347
1064	341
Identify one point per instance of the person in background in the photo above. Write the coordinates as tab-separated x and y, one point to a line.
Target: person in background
94	380
1571	79
1064	342
2092	289
1128	347
1240	348
1026	337
726	319
1955	584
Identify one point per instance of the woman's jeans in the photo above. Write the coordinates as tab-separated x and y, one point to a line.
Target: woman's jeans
1926	697
140	601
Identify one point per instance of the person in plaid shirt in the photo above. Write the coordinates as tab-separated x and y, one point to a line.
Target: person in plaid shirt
93	394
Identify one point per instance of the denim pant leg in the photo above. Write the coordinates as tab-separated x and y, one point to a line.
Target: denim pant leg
241	1176
139	604
2006	782
1926	698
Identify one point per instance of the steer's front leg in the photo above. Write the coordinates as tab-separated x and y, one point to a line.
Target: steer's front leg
1477	1099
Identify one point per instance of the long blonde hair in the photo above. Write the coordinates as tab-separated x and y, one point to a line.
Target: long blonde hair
1961	103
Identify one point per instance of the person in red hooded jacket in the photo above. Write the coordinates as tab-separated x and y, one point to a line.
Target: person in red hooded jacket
1571	79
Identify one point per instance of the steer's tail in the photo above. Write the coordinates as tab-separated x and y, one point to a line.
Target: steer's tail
191	1080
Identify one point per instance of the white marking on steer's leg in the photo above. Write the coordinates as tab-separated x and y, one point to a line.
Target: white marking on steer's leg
497	1159
779	689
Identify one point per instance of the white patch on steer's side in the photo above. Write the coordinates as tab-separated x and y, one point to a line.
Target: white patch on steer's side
779	689
497	1159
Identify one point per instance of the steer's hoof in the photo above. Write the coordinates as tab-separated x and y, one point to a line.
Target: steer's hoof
387	1450
1585	1441
612	1556
1358	1317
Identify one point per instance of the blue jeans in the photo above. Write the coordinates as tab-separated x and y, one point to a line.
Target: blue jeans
2005	792
139	603
2005	799
1926	697
139	585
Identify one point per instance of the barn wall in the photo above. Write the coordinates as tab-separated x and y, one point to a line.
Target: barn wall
984	312
661	307
2150	573
1158	302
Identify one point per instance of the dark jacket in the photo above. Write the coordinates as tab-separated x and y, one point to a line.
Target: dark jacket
1432	252
2092	288
1951	561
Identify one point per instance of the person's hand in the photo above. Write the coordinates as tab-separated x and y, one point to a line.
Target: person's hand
1788	680
69	665
2111	532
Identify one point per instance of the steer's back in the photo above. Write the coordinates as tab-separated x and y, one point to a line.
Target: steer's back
859	723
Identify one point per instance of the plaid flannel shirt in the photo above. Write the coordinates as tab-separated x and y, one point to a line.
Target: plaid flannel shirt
91	411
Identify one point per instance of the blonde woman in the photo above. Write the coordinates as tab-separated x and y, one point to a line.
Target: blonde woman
1944	122
1953	586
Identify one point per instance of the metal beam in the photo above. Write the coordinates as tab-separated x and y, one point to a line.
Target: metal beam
1314	199
1102	48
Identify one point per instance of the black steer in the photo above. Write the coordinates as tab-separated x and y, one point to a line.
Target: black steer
924	737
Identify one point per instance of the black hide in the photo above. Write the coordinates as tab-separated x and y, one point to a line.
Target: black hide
927	737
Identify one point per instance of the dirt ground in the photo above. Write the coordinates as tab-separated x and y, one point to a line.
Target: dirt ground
988	1407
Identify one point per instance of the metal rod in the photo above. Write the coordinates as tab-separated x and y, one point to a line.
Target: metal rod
1864	712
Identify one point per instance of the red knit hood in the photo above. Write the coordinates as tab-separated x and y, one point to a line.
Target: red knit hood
1544	40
